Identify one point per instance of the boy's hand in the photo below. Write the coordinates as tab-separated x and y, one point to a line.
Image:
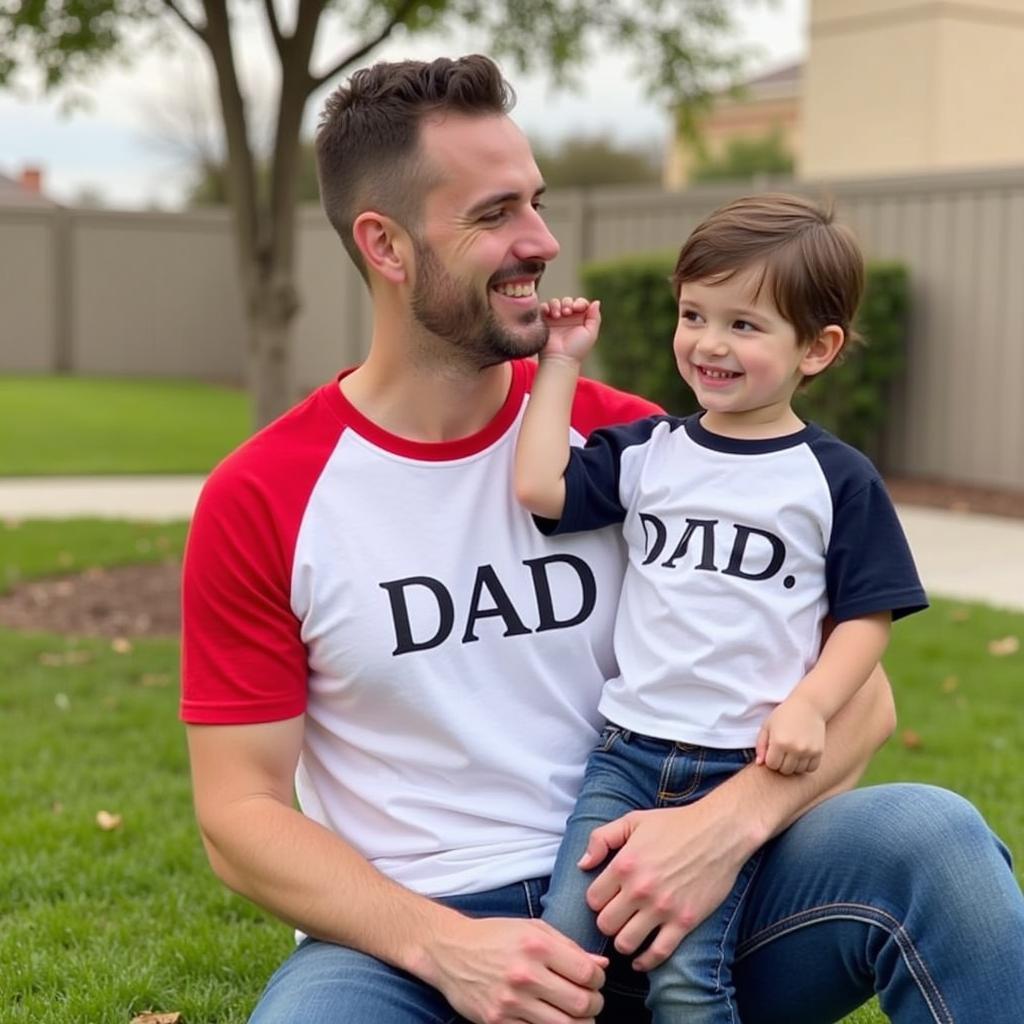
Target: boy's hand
792	738
573	325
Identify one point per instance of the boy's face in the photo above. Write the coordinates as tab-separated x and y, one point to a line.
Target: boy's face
737	353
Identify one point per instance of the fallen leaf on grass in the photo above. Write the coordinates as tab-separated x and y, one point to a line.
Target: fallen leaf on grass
1004	646
149	1017
155	679
959	615
62	701
59	659
65	559
11	523
950	684
57	807
121	645
910	739
107	821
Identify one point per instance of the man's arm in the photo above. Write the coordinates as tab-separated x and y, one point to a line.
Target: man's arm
263	848
675	865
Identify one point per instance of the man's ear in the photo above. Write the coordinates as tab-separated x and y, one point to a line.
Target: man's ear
384	245
822	351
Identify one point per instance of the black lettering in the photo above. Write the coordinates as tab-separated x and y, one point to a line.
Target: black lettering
739	549
503	607
660	533
542	588
404	642
707	551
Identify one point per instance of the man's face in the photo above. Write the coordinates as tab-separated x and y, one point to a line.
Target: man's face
482	245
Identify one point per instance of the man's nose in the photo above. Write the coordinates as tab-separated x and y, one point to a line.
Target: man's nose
536	241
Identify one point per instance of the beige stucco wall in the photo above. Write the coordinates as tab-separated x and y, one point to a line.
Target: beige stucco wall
901	86
746	118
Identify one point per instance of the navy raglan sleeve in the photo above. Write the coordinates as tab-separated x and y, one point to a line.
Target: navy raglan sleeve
868	566
593	496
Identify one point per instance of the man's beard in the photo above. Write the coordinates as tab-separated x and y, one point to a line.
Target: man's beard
460	316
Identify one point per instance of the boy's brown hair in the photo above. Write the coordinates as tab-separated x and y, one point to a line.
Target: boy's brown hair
812	265
367	142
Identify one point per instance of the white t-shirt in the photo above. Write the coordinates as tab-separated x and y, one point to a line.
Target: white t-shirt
447	657
737	551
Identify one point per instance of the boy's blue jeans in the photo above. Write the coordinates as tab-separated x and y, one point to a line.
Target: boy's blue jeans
629	772
900	890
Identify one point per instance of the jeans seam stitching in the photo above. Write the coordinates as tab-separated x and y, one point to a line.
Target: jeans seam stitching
529	900
725	931
871	916
698	769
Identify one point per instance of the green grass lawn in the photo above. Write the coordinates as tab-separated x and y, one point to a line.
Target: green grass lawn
96	926
79	425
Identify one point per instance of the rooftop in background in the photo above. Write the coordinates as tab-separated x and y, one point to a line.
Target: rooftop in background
26	190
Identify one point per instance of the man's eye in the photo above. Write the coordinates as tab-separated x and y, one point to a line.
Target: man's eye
494	217
539	206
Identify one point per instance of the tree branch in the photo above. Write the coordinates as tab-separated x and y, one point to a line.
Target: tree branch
361	51
185	20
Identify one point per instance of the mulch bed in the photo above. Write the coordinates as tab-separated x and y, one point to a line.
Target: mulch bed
144	600
127	601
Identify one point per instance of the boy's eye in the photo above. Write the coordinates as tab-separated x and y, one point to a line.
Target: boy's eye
745	326
690	316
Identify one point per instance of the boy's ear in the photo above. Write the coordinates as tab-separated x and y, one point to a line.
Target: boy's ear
384	244
822	351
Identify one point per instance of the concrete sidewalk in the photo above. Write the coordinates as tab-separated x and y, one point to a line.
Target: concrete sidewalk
960	555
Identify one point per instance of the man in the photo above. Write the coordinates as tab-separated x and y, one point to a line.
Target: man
370	616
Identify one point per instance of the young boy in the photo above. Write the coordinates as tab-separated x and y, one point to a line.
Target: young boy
745	528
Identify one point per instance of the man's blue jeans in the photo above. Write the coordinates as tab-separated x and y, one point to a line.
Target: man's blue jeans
900	890
629	772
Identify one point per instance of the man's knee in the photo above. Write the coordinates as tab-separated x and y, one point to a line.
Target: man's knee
321	983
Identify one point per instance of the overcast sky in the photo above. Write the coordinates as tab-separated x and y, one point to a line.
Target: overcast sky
117	148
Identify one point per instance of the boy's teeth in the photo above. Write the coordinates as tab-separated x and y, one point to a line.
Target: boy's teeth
516	291
718	374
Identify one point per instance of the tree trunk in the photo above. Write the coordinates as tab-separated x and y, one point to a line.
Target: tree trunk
273	305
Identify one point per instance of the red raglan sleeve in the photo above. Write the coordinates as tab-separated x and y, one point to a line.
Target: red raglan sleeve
599	405
242	658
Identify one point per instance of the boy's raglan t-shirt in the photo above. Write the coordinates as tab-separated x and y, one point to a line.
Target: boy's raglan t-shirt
448	657
737	550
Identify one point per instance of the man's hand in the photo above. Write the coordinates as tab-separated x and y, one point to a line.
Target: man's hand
502	970
573	325
673	867
792	739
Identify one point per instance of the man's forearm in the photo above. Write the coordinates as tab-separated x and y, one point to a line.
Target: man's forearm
304	874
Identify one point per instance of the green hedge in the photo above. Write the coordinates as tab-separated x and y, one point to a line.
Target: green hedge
639	319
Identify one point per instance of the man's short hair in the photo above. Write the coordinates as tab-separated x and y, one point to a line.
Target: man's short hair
812	265
367	149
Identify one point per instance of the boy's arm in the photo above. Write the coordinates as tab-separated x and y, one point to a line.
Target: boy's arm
542	451
792	738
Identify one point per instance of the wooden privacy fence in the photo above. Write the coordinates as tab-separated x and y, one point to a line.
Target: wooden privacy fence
155	294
